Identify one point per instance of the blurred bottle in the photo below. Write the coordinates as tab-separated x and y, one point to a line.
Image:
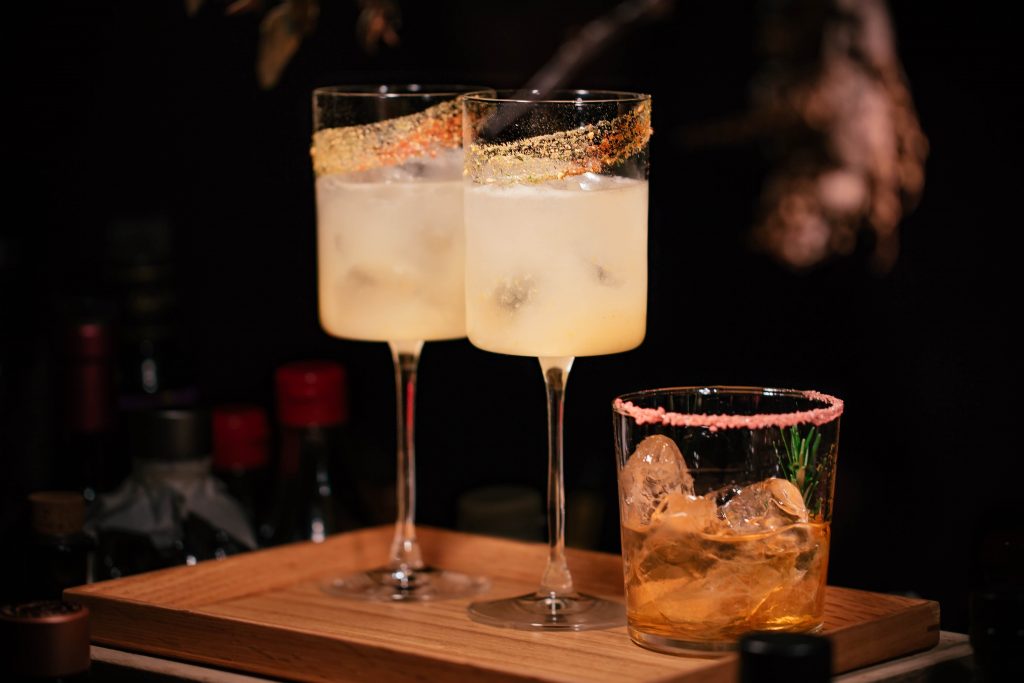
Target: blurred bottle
171	510
311	409
997	634
769	657
240	455
87	458
58	553
153	366
508	511
44	641
996	600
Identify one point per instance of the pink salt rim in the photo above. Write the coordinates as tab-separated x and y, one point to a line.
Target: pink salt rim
815	416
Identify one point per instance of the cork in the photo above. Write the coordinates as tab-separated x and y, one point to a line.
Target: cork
57	513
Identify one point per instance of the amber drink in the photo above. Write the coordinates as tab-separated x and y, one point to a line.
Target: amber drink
725	504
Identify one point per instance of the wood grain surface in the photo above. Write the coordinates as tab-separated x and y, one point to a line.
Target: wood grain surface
265	612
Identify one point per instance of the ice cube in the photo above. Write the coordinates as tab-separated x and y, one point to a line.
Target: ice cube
404	173
513	292
655	469
668	557
765	505
724	596
606	277
591	181
681	513
360	276
728	583
585	182
446	164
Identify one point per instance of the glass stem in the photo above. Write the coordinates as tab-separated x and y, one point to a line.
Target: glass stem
405	549
557	581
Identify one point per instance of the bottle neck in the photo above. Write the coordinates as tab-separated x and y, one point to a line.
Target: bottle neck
89	394
305	478
183	472
304	443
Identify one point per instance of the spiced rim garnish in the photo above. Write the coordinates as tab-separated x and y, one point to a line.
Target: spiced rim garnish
817	416
588	149
351	149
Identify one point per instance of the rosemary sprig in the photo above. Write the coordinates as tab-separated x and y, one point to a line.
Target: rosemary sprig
799	463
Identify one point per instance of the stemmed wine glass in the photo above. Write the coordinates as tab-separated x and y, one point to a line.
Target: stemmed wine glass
390	246
556	267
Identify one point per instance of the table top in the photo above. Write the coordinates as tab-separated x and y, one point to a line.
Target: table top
952	656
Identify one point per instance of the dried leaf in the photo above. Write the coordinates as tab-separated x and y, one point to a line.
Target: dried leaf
243	7
378	22
281	34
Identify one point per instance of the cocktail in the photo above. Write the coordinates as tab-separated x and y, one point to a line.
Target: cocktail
390	247
725	500
556	267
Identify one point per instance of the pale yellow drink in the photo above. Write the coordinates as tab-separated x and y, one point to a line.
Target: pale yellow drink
557	268
391	258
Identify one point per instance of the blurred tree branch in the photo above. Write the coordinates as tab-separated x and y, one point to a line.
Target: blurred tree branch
285	24
832	105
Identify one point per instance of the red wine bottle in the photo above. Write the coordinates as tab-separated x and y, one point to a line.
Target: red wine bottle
311	409
241	453
86	458
58	553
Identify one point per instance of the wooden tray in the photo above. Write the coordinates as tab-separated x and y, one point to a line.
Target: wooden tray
264	612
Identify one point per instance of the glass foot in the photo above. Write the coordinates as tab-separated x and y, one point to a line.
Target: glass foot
543	612
396	585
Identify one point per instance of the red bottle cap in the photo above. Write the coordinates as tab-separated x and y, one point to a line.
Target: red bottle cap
311	393
240	436
89	339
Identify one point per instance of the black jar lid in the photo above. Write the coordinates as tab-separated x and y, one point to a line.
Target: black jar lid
46	639
773	656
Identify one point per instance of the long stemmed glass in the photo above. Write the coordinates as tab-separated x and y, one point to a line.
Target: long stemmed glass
388	163
556	267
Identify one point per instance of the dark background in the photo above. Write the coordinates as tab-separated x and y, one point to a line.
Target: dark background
126	110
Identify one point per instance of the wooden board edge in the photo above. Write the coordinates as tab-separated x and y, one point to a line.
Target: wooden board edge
910	630
869	594
294	655
164	667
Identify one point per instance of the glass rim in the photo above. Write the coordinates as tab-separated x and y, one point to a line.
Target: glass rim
624	406
561	96
399	90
